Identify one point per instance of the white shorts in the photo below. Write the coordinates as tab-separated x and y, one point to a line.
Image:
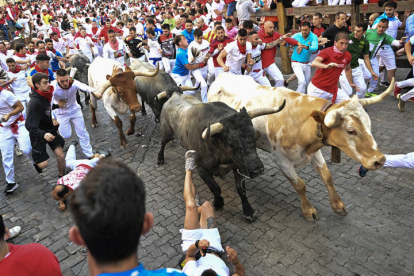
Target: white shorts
189	237
386	57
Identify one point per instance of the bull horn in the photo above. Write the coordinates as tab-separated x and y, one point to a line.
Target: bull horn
104	86
160	96
332	118
137	73
190	88
265	110
214	129
68	69
87	64
380	97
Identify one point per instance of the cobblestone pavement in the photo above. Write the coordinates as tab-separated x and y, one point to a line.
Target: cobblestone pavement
375	238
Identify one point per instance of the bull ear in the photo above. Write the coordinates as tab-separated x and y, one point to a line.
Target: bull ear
108	77
243	110
318	116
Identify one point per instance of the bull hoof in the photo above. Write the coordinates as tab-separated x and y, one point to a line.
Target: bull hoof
124	146
218	209
312	217
94	125
130	132
218	204
144	113
160	162
341	212
251	218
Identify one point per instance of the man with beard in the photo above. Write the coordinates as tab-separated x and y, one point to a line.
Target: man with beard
166	41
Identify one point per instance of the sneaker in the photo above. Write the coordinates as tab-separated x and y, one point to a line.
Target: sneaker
10	188
397	90
370	95
385	83
17	150
401	103
103	152
190	160
362	171
39	170
14	232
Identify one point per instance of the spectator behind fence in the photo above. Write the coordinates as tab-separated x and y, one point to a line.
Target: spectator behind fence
111	226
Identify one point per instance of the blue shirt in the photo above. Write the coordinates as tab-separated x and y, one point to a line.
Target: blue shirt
180	61
33	71
189	36
141	271
409	25
311	41
158	32
55	63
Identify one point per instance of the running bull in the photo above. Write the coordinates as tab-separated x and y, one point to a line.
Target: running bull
294	137
157	90
223	138
78	68
117	89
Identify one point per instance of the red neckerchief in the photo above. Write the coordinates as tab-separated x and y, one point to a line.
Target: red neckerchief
95	30
115	45
17	69
53	50
21	55
205	27
4	53
13	126
47	95
39	70
338	54
242	49
70	84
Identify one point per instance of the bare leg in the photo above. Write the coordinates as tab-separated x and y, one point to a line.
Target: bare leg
207	218
61	162
192	220
43	164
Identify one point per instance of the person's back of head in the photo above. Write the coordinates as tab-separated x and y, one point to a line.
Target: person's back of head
209	272
109	212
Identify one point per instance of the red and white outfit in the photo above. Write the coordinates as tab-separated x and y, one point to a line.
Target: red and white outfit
11	131
3	57
257	72
236	56
20	87
115	51
70	41
95	38
59	45
84	43
200	74
324	83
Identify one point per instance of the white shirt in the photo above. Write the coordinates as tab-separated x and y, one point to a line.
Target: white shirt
217	6
108	52
69	95
20	87
204	47
70	41
83	43
7	100
234	58
154	47
257	56
24	22
3	58
196	268
59	45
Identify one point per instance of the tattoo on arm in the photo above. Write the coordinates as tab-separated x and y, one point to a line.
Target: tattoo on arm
211	222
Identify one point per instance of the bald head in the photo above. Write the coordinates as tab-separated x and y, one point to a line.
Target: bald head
269	27
373	17
200	22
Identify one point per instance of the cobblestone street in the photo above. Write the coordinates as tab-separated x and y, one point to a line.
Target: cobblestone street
375	238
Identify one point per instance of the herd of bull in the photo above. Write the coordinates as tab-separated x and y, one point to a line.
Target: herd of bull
240	116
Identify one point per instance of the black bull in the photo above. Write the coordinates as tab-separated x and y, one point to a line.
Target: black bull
81	63
155	91
223	138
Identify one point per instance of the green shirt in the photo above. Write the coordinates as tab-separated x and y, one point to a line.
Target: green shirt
170	22
357	49
376	41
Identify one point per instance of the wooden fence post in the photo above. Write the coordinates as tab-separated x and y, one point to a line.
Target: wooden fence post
284	51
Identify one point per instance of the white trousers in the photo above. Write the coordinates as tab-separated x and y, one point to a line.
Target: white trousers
72	163
218	71
168	64
406	83
65	130
260	78
316	92
7	142
211	71
375	67
339	2
358	79
367	74
275	74
400	161
303	73
183	81
299	3
386	59
200	75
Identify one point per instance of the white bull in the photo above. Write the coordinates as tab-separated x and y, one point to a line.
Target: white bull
293	137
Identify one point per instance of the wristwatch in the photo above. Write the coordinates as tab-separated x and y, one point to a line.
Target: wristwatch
196	243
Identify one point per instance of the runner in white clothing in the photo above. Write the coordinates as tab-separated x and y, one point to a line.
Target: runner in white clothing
70	41
85	43
65	92
18	83
115	49
197	51
236	53
12	128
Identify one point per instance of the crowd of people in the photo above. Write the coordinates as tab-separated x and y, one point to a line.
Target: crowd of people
193	42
